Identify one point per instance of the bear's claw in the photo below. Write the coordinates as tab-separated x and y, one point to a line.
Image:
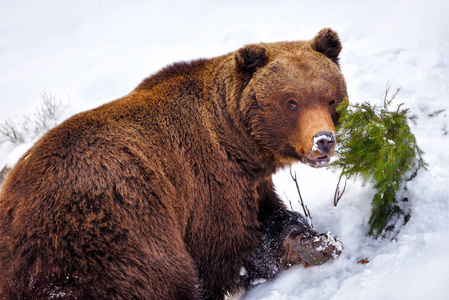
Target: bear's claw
313	249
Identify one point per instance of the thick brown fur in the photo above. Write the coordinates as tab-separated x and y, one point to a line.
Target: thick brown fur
161	194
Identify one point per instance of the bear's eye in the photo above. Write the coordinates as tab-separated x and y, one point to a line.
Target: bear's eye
292	105
332	103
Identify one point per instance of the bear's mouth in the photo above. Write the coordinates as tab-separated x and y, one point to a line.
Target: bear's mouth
318	162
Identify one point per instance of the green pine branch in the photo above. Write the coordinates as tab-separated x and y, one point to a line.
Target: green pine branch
376	145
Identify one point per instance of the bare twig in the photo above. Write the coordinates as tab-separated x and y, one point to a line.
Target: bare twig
8	132
338	195
47	115
387	91
289	201
304	207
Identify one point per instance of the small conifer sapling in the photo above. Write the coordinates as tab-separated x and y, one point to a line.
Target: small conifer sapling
376	145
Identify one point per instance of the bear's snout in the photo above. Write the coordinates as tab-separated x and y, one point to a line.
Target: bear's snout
316	134
324	142
322	149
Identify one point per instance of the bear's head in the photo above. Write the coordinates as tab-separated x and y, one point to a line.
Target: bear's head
289	94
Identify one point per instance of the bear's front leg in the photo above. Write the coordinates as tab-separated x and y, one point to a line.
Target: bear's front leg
287	240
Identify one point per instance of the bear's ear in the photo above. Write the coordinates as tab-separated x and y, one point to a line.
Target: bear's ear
328	43
249	58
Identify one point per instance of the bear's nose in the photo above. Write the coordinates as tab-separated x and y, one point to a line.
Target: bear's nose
324	142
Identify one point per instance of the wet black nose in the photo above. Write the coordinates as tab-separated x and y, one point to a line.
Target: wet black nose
324	141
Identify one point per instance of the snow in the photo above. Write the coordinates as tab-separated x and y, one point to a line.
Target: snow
91	52
16	154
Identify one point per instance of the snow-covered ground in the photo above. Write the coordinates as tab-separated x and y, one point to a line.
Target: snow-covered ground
90	52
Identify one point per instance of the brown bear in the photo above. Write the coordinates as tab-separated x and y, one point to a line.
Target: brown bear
162	194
